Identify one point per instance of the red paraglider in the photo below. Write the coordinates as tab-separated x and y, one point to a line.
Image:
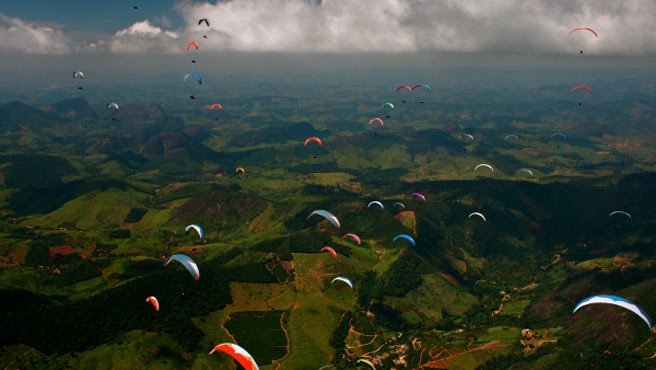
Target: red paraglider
190	44
331	251
580	87
313	138
583	29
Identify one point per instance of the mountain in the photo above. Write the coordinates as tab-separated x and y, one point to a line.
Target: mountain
170	143
76	109
15	114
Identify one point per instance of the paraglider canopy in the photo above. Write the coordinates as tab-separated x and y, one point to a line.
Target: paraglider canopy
112	106
399	204
238	354
195	75
327	215
558	134
331	251
313	138
204	20
376	202
625	213
380	121
78	74
585	87
484	165
364	361
355	237
617	301
418	196
406	237
187	262
511	136
526	170
198	229
468	136
426	87
240	169
190	44
482	216
153	301
344	280
217	106
583	29
404	87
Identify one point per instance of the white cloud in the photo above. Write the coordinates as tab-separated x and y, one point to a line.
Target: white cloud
143	37
504	26
17	35
519	26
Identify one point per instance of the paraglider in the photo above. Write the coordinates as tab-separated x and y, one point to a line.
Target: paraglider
482	216
387	105
617	301
418	196
240	169
195	75
380	121
404	87
187	262
558	134
198	229
112	106
585	87
627	214
526	170
313	138
190	44
217	106
153	301
327	215
484	165
428	88
344	280
583	29
80	75
204	20
468	136
581	87
376	202
365	362
331	251
406	237
355	237
511	136
399	204
238	354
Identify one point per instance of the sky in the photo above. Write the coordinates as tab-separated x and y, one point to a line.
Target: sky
42	38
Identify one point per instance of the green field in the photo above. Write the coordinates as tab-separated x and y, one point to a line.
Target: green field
91	208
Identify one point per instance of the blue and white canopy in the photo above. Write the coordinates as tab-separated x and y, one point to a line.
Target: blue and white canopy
617	301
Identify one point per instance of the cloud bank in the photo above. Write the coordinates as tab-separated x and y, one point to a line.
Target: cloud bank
533	27
17	35
518	26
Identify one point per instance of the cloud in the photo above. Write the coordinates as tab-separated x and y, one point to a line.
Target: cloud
17	35
145	38
517	26
533	27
